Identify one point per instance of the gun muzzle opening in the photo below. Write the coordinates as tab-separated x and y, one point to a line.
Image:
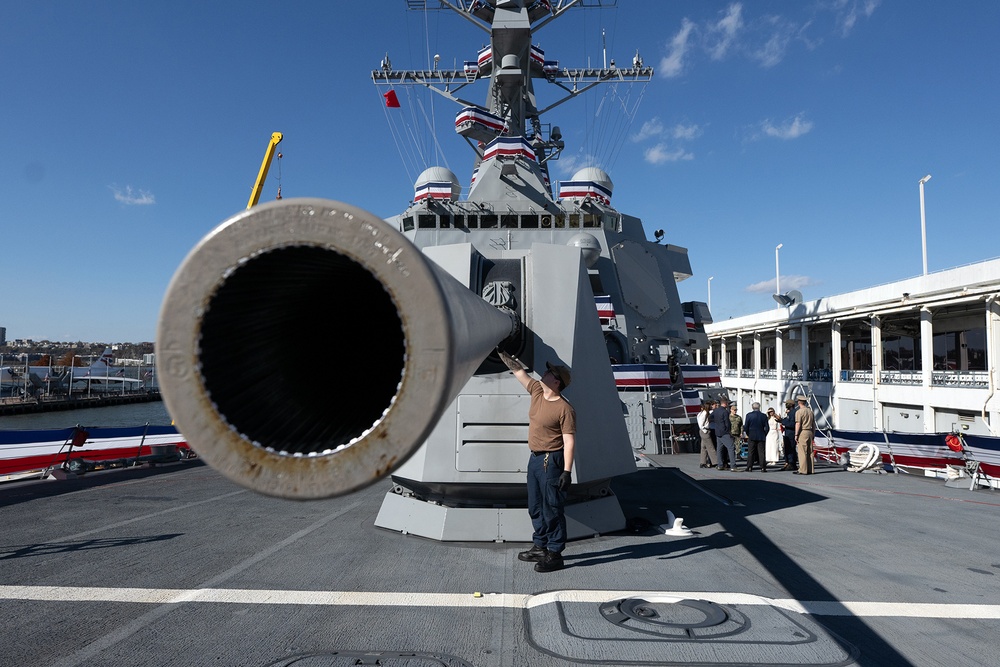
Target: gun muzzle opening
306	348
280	360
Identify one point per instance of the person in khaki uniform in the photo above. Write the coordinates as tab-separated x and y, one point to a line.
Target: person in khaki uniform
805	431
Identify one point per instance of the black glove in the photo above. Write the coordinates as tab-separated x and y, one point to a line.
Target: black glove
565	479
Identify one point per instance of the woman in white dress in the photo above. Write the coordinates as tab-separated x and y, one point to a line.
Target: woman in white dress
773	444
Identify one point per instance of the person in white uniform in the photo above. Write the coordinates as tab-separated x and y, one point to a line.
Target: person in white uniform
773	450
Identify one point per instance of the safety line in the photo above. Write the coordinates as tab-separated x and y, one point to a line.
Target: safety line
170	596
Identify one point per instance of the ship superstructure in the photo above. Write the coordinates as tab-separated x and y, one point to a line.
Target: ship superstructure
629	336
551	275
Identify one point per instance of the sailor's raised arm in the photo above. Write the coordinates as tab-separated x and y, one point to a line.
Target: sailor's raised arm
516	368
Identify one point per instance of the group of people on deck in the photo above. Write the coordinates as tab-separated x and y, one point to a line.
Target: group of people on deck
771	439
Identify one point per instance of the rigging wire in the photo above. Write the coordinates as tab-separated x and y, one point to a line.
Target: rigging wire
430	123
604	132
396	129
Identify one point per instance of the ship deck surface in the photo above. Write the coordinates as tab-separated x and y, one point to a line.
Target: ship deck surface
177	566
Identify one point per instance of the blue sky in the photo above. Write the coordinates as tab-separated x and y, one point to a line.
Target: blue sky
133	129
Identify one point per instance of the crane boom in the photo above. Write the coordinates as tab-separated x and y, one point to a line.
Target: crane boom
265	164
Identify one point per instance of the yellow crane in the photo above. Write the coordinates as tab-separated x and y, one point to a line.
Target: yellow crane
264	166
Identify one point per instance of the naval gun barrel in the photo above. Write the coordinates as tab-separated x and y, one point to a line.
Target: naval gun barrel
306	348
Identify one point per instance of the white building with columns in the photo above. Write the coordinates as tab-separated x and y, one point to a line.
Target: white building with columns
915	356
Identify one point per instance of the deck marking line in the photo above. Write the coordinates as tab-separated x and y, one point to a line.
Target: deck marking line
168	597
144	517
168	600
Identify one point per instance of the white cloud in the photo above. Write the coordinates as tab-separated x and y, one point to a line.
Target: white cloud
651	128
849	11
570	164
763	38
130	197
792	128
686	132
725	31
672	64
654	131
773	51
787	283
661	153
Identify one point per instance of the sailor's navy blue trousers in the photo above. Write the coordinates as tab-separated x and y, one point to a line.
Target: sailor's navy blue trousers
546	501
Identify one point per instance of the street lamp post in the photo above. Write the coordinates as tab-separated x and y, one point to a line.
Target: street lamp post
710	293
923	220
777	273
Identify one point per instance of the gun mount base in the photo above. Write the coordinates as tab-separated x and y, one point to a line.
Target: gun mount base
410	515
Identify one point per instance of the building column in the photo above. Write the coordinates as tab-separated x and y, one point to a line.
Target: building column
927	365
739	355
755	396
738	385
779	357
836	365
992	408
804	362
756	354
876	371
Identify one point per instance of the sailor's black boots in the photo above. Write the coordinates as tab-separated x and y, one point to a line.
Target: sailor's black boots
532	555
550	562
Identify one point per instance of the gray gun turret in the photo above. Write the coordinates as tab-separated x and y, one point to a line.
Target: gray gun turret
408	312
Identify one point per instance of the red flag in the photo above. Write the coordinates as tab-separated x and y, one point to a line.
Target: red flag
391	100
79	437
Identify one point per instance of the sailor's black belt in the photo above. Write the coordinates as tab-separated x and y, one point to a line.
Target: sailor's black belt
551	451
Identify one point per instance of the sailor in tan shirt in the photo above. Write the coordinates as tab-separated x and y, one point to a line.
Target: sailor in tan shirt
551	439
805	431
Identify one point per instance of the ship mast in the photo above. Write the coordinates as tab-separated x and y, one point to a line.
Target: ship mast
510	63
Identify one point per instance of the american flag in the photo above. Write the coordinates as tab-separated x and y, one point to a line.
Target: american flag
537	55
485	56
692	402
508	147
434	190
580	189
641	375
605	309
480	116
695	376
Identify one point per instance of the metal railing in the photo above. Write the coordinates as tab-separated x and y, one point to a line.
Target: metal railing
856	376
978	379
975	379
902	377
